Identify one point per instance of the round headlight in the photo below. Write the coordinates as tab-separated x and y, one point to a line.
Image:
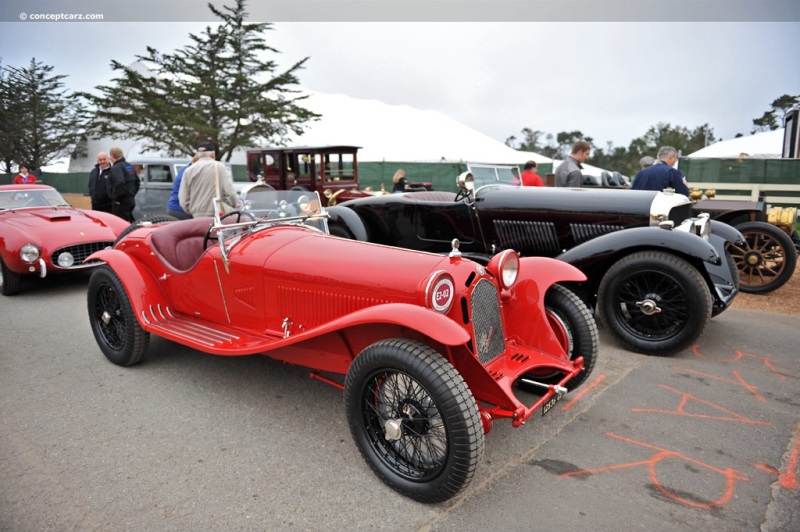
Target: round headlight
65	260
29	253
505	267
466	181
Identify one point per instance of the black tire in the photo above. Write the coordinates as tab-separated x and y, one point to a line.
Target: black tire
734	268
574	325
116	330
438	440
680	296
10	282
145	221
766	261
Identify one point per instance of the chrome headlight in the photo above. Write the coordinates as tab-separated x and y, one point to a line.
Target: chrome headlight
66	260
505	267
29	253
700	226
466	181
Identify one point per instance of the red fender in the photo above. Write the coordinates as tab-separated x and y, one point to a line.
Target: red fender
536	275
142	288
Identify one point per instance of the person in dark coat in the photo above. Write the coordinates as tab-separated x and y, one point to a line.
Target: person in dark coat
98	183
662	174
123	183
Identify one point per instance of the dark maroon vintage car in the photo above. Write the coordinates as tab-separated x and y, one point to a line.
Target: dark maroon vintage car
42	234
429	349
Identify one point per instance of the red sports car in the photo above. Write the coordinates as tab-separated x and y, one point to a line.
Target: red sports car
40	234
429	349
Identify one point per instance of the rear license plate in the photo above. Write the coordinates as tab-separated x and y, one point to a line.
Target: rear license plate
551	403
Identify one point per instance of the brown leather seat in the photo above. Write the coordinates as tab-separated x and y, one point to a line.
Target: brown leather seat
179	245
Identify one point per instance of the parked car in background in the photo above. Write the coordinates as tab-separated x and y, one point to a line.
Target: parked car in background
156	177
655	274
768	257
42	234
330	171
428	348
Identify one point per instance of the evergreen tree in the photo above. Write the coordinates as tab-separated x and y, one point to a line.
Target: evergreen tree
216	89
39	119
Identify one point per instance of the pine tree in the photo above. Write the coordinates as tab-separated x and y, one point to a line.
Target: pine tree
216	89
40	120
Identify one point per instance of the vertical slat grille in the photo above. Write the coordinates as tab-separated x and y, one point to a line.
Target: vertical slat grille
486	323
585	232
518	234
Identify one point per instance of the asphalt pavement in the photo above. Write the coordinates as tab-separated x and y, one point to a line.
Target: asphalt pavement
708	439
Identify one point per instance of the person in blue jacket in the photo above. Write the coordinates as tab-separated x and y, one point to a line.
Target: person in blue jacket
662	174
173	205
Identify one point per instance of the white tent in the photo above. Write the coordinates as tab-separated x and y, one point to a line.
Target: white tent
388	132
763	145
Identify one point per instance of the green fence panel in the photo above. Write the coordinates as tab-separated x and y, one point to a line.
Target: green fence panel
782	171
377	174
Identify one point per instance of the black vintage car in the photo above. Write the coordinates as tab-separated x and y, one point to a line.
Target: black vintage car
655	275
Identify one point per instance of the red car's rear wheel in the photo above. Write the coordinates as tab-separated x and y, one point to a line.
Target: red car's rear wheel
120	337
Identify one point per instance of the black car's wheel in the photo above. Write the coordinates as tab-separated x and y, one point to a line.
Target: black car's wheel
10	282
145	221
119	335
766	261
576	329
655	302
413	419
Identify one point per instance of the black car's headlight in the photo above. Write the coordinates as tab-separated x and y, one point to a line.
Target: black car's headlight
700	226
29	253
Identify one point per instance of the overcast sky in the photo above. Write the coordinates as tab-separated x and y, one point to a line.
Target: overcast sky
612	81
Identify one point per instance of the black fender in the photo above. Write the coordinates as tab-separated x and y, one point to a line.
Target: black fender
348	218
638	238
727	232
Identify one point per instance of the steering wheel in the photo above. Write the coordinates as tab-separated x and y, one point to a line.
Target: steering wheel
238	214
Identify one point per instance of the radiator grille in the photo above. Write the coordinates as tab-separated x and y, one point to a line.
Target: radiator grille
585	232
518	234
486	323
79	252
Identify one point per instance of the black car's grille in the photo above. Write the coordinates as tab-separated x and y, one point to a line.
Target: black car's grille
486	323
585	232
79	252
522	235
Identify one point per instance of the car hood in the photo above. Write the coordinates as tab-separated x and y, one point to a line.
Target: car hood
328	261
54	223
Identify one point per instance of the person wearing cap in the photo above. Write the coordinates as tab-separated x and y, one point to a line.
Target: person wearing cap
529	176
662	175
198	186
24	178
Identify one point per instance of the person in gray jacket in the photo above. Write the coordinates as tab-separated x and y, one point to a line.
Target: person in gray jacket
568	173
198	186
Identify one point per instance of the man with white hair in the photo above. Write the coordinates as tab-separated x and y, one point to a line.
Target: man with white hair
199	187
662	174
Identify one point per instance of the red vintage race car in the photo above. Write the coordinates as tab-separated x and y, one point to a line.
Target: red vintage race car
41	234
429	349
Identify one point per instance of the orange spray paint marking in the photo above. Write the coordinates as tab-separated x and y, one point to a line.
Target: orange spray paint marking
787	479
584	390
741	382
731	475
767	361
686	397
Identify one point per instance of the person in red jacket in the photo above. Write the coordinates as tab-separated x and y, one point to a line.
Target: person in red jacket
529	176
24	178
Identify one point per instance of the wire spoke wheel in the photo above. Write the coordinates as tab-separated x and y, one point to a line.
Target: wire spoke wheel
766	261
413	419
654	301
